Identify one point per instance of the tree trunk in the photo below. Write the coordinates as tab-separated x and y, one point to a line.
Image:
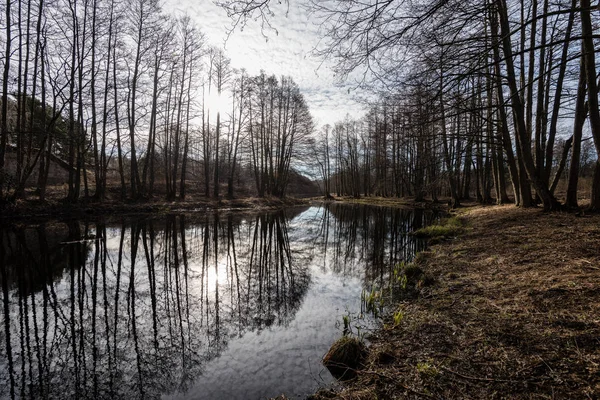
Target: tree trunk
580	114
521	133
558	91
561	165
592	89
4	112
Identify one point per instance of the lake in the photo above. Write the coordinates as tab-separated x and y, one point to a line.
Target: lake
219	306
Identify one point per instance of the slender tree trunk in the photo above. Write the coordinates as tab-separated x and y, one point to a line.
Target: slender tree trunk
94	131
44	165
237	138
561	165
504	134
132	104
523	139
101	185
117	122
541	114
592	90
149	164
187	136
580	115
71	196
531	64
558	91
206	145
3	117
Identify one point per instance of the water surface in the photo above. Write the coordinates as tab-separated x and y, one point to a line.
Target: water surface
229	306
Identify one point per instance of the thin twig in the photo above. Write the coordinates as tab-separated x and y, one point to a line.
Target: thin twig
475	378
396	383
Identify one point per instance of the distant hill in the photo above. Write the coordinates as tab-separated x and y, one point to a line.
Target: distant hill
301	186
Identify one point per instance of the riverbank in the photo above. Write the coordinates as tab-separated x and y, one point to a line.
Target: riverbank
57	208
513	313
395	202
60	208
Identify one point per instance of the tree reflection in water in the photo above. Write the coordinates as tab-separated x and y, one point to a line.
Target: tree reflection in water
369	241
138	308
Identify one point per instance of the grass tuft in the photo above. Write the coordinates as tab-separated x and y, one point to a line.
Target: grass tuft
344	357
411	277
448	227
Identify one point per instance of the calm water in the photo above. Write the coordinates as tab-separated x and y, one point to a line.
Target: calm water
202	307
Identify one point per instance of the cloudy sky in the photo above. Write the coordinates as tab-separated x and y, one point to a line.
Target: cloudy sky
285	52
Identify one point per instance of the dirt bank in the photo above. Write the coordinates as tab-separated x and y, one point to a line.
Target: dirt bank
514	313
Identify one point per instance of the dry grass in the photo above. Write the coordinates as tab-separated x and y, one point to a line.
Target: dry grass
514	313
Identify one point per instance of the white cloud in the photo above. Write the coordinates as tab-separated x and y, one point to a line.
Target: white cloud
285	52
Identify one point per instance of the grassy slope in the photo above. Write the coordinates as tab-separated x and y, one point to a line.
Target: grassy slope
514	313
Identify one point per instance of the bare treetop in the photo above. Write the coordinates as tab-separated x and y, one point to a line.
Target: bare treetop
240	11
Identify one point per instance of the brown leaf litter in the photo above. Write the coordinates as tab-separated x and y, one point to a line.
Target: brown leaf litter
514	314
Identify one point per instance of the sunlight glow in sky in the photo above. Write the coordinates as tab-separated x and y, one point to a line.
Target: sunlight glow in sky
219	102
285	52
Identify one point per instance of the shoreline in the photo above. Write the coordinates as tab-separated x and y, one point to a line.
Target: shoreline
512	313
395	202
60	209
52	209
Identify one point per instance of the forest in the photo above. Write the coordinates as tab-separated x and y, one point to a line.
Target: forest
494	99
488	98
131	99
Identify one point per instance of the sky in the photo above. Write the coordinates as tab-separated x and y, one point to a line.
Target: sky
286	51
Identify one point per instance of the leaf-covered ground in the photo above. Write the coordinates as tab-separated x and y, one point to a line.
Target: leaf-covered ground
514	313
